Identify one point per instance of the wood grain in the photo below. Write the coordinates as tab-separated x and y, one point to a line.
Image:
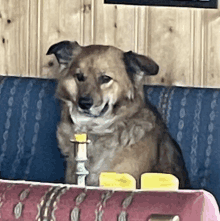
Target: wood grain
14	27
169	44
142	29
212	50
88	21
60	20
198	47
183	41
125	27
104	23
34	36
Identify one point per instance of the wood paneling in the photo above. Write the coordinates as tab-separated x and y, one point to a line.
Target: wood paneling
198	47
14	44
104	23
169	44
183	41
60	20
212	44
34	38
125	27
142	29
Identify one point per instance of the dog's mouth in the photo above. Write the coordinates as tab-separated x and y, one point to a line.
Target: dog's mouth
105	108
101	113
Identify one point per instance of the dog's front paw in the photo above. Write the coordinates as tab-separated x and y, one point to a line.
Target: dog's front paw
92	179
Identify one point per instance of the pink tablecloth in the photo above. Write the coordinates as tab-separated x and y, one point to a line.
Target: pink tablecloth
43	201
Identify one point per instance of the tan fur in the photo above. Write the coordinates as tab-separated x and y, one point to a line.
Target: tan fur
129	137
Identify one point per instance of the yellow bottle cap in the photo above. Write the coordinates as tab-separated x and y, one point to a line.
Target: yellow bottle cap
116	180
81	137
159	181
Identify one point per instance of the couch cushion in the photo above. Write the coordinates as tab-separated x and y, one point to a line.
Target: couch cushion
29	115
192	116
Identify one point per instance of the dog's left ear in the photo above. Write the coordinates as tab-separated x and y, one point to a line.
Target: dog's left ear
65	51
139	65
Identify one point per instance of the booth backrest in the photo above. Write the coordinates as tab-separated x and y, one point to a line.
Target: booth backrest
29	113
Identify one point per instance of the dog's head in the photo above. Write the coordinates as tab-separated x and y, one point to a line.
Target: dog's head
95	78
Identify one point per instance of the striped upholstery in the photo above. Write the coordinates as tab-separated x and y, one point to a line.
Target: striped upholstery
192	116
29	114
27	201
28	117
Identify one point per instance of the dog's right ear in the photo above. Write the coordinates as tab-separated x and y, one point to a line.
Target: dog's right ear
137	66
65	51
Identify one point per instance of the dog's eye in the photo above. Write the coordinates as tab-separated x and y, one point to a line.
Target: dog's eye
104	79
80	77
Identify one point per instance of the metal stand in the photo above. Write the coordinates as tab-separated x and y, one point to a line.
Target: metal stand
81	158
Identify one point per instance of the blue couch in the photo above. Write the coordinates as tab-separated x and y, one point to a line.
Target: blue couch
29	113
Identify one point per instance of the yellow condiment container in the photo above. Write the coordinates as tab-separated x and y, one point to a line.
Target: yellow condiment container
81	137
159	181
117	181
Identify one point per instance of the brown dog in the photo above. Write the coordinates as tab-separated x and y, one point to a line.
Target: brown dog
102	92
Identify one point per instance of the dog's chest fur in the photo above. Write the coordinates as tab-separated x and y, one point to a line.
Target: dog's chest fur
125	133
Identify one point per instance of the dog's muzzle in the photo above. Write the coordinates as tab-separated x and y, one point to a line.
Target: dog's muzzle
85	104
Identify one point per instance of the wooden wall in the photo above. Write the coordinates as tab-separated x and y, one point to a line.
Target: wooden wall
184	42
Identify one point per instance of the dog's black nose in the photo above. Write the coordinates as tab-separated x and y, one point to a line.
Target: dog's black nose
85	102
